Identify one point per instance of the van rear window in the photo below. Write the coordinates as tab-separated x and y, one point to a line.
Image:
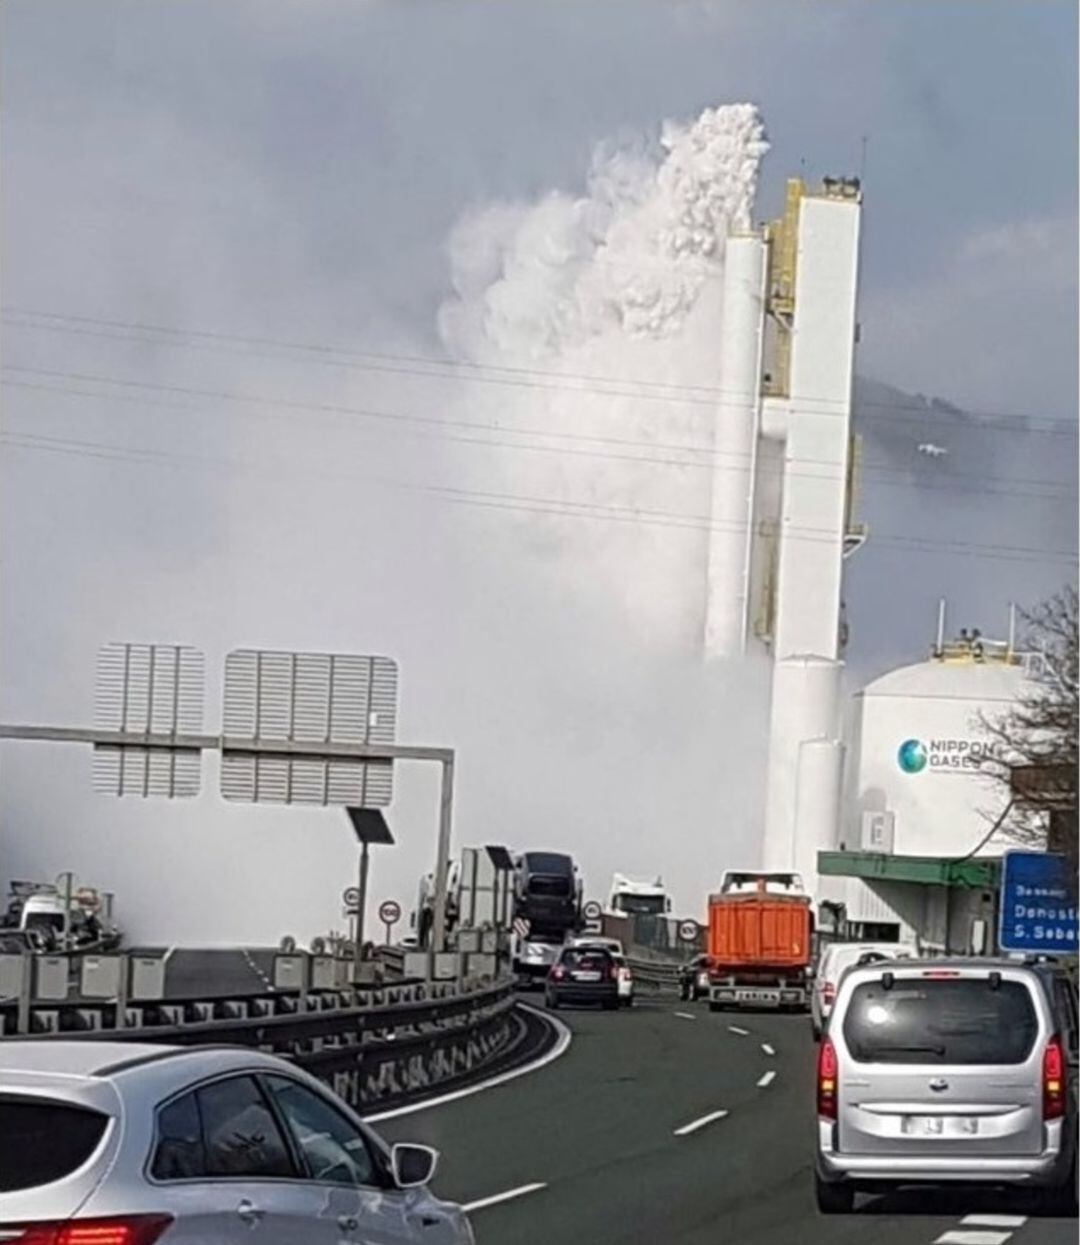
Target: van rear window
962	1020
42	1141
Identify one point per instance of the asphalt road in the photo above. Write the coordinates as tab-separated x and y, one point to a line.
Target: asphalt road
598	1130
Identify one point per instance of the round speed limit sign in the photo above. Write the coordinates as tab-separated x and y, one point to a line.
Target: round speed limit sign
688	931
591	911
389	912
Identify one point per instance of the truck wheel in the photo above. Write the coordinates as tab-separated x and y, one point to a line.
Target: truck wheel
715	1007
833	1199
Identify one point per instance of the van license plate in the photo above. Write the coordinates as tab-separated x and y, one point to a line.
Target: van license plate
939	1126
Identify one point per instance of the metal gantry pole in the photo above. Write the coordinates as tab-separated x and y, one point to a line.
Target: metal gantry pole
361	909
442	861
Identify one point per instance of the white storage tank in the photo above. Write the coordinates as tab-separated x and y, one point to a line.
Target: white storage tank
917	783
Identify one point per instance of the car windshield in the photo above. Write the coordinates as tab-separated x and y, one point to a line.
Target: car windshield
952	1021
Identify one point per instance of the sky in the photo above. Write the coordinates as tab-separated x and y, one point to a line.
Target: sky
244	173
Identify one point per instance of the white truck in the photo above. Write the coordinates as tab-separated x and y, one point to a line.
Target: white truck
637	897
40	911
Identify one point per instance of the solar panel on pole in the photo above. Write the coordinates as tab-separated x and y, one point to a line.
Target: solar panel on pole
149	689
307	698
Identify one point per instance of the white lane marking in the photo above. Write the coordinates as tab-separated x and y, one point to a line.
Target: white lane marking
767	1048
685	1016
694	1125
740	1032
767	1079
561	1045
994	1221
520	1191
973	1238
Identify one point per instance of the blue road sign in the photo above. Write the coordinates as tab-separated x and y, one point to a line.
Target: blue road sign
1038	904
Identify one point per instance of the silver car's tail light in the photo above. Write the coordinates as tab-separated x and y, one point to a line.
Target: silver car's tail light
115	1230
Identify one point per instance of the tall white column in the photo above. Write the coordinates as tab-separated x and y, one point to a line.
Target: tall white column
734	446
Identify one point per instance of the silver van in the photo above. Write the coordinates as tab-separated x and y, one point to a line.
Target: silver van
948	1071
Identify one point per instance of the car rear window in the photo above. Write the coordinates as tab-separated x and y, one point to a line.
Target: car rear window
951	1021
586	959
42	1141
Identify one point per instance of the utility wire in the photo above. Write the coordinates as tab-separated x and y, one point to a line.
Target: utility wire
437	424
536	505
406	364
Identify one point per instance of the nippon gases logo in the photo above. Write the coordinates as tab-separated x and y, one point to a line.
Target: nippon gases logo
949	756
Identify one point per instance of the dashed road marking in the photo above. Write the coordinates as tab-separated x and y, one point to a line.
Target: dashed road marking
256	969
520	1191
994	1221
767	1048
736	1030
685	1016
975	1237
694	1125
767	1079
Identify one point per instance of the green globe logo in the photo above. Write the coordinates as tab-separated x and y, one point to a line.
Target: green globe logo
912	756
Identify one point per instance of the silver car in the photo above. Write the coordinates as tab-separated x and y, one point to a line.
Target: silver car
124	1144
961	1071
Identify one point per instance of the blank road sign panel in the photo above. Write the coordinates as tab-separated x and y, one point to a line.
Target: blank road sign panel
309	698
149	689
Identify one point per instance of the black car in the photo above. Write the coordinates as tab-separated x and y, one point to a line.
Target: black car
583	975
694	979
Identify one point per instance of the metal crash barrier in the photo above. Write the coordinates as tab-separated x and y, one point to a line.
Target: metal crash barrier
376	1043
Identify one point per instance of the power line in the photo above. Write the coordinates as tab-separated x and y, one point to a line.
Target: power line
703	395
540	505
436	426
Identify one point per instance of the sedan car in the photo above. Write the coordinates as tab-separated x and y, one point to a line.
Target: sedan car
583	975
125	1144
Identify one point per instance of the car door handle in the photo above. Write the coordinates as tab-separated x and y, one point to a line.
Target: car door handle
249	1213
348	1223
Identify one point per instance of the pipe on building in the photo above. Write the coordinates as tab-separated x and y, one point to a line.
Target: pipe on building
815	825
805	706
735	446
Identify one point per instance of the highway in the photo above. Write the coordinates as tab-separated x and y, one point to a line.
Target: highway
671	1124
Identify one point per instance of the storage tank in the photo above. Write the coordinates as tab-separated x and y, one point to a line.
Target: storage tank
919	758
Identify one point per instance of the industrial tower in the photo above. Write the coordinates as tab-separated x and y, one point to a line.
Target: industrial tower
783	496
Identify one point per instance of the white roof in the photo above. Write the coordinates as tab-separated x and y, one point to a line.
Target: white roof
950	680
72	1058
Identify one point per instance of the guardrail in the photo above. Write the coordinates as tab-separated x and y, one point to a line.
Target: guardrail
659	975
376	1044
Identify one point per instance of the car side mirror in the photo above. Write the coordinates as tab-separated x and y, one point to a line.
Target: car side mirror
413	1166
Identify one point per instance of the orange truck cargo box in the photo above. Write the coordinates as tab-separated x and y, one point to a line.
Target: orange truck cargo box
759	931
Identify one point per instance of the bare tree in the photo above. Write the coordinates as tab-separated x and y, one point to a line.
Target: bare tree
1033	749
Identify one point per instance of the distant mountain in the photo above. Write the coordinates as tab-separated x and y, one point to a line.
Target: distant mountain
950	497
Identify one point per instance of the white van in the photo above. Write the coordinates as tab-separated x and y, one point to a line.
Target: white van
836	959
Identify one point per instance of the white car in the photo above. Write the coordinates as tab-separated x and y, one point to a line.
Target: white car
613	945
131	1144
835	960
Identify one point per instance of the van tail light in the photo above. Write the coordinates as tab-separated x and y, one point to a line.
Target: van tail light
1054	1080
557	973
115	1230
828	993
828	1070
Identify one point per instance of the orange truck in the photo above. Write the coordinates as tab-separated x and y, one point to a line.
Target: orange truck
760	932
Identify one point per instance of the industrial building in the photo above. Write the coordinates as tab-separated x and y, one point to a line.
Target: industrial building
924	826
